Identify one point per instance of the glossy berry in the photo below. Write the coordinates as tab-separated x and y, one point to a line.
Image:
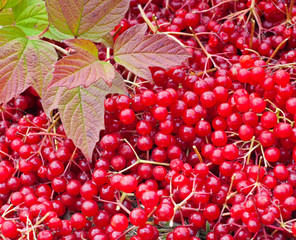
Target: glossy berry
119	222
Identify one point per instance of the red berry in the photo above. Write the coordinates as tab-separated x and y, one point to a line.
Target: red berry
119	222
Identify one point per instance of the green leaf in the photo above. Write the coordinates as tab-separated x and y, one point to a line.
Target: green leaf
208	227
137	51
82	111
6	17
12	3
31	17
2	4
56	35
23	62
90	19
83	68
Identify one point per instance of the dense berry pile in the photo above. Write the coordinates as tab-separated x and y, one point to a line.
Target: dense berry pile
202	151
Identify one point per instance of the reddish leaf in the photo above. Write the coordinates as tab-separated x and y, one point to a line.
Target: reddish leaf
83	68
83	46
50	97
82	111
23	62
137	51
86	18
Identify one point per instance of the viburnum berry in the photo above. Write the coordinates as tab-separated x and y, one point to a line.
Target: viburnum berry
181	233
78	220
138	217
128	184
281	77
109	142
291	105
9	229
208	99
246	132
211	212
294	228
258	105
44	235
219	138
216	132
127	116
89	208
4	174
119	222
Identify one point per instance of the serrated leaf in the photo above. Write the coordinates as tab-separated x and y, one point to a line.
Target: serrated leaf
137	52
50	97
82	112
83	46
56	35
89	19
31	16
83	68
23	62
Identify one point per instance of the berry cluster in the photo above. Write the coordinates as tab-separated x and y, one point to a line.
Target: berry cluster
205	150
216	152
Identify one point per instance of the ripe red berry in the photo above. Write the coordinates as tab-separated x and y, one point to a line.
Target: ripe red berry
119	222
128	184
138	217
9	229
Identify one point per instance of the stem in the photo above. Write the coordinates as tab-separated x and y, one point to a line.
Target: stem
177	206
47	133
155	21
278	109
65	52
277	49
253	51
258	174
197	153
8	210
139	160
108	53
252	33
251	146
128	230
128	143
202	47
291	8
4	238
180	33
44	31
212	8
123	196
207	71
230	187
146	19
70	161
117	31
155	163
